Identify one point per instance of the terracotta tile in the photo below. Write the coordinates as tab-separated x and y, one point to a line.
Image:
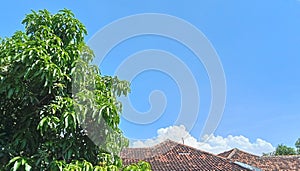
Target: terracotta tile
266	163
170	155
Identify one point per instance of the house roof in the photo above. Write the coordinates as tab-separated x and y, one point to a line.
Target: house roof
266	163
171	155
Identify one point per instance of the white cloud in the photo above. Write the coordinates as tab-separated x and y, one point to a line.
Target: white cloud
213	144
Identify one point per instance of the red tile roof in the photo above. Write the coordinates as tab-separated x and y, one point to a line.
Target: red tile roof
170	155
266	163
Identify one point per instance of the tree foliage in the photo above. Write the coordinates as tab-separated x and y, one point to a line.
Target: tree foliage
57	111
297	145
284	150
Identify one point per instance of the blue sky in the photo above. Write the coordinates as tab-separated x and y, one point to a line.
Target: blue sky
257	43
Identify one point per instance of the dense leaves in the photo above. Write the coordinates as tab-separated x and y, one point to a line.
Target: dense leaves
284	150
297	145
57	111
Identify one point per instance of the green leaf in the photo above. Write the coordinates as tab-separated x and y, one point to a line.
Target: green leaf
10	93
27	167
41	124
14	159
16	165
40	113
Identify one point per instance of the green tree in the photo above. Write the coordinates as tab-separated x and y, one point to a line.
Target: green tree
57	111
297	145
284	150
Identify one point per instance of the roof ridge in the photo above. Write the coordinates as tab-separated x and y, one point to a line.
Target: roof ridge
202	151
232	153
194	148
153	146
247	152
173	143
239	150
